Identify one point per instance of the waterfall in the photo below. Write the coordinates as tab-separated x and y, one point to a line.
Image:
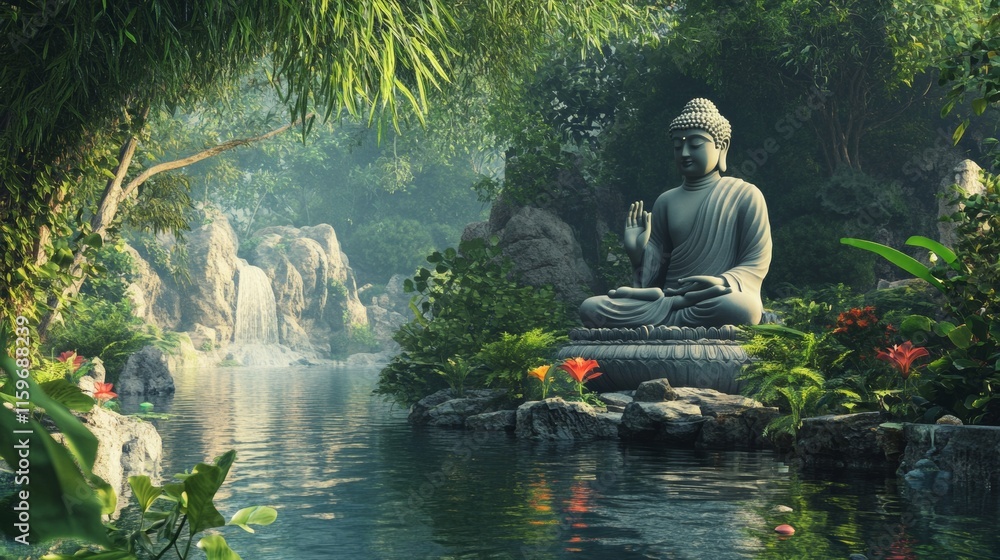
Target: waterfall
256	319
255	337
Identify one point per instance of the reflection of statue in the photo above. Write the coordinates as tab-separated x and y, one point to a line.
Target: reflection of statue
701	254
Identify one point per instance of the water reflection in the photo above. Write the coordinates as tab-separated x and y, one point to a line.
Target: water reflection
351	479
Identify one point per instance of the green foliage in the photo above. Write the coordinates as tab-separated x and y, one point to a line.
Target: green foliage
812	310
455	371
353	339
613	264
98	328
391	246
787	372
961	380
466	301
506	360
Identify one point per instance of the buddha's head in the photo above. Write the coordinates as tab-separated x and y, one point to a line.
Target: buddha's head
700	137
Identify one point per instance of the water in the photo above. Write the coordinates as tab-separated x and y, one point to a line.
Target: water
256	319
351	479
255	335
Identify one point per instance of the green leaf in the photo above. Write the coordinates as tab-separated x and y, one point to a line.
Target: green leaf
965	363
256	515
961	337
949	256
902	260
106	495
979	106
201	487
778	330
959	132
144	491
94	240
215	548
68	394
914	324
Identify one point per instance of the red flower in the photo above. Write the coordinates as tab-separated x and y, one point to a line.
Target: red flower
580	369
901	356
72	357
103	392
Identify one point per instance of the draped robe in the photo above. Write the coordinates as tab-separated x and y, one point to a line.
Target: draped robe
730	238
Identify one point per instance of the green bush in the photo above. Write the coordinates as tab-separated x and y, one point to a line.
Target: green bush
508	359
388	247
98	328
469	299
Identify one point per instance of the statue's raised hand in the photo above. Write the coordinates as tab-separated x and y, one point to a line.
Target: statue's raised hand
638	226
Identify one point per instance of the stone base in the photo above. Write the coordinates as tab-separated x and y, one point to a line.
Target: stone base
706	358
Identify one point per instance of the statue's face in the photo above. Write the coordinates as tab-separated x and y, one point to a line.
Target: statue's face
695	152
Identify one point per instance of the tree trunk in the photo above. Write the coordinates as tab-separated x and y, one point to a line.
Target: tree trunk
115	195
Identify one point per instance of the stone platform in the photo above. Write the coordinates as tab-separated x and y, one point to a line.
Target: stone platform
707	358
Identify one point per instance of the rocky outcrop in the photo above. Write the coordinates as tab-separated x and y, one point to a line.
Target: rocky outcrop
966	175
126	446
389	311
314	288
557	420
210	299
842	441
445	408
687	416
499	421
671	422
155	300
146	373
967	453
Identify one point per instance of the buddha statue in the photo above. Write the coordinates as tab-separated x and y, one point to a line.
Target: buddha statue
700	256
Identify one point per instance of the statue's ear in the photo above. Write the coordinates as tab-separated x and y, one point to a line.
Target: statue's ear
722	156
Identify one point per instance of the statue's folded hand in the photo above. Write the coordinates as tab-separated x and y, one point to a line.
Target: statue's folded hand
698	296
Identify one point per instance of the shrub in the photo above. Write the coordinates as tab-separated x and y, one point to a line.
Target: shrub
469	299
506	360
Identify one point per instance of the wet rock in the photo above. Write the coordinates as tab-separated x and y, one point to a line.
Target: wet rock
737	429
556	419
421	413
126	447
657	390
968	453
210	299
839	441
616	402
453	412
671	422
950	420
499	421
146	373
781	509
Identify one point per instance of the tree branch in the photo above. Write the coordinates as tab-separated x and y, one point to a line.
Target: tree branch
204	154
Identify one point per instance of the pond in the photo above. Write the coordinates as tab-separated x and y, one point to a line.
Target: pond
351	479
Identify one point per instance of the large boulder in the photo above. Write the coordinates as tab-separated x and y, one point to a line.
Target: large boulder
146	373
315	291
554	419
210	299
446	408
842	441
126	446
966	175
671	422
154	299
499	421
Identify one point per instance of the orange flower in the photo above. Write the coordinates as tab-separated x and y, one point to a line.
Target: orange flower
539	372
901	356
580	369
103	392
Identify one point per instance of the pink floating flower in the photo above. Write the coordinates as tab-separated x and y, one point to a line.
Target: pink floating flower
784	530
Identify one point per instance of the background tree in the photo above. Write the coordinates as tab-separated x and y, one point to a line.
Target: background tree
78	78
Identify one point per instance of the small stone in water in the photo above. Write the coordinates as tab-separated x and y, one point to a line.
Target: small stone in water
784	530
949	420
857	557
781	509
